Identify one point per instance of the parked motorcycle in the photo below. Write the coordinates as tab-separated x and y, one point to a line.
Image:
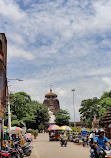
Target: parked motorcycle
17	148
26	149
76	139
4	154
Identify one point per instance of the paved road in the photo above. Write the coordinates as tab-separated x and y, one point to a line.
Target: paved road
42	148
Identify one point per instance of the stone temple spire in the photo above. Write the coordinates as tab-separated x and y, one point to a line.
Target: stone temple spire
52	102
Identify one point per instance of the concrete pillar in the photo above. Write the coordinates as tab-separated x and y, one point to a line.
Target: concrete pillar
9	117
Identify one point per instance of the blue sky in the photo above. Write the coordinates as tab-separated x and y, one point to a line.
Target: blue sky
66	43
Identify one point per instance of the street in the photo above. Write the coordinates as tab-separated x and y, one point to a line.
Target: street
42	148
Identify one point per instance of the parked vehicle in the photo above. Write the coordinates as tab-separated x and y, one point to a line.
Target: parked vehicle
4	154
76	139
70	137
26	149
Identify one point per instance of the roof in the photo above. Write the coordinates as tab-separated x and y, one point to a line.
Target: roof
51	94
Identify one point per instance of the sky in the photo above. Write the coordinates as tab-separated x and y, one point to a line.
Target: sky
64	43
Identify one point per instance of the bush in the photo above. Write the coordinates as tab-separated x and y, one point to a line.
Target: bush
35	132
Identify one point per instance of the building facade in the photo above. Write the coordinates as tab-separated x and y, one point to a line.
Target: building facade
106	122
52	102
3	83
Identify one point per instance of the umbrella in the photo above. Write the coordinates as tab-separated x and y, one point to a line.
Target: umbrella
5	127
29	129
65	128
16	129
53	127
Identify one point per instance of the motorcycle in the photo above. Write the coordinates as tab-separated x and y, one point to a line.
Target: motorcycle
85	141
27	149
18	149
4	154
104	153
76	139
63	142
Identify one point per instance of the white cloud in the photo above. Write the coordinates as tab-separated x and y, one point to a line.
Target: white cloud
68	44
107	81
10	10
14	51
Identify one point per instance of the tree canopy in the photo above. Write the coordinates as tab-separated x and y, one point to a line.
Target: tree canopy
62	117
88	109
105	104
23	109
95	106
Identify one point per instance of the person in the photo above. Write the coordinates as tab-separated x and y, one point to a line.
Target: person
62	136
100	141
13	137
6	137
17	137
91	138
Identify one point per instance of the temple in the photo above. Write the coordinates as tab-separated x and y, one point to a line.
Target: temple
106	122
52	102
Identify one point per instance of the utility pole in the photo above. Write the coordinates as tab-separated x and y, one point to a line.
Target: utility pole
74	106
9	113
8	97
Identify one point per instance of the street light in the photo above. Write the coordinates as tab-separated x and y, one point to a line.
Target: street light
15	79
74	106
8	95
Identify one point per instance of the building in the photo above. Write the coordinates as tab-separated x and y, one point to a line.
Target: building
3	83
79	124
52	102
106	122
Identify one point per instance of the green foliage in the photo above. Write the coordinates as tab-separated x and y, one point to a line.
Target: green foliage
62	117
88	109
35	132
41	126
76	129
105	104
23	109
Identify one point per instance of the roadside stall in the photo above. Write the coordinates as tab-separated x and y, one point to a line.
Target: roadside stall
15	133
53	132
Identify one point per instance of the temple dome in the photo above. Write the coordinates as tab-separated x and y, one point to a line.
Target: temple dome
51	94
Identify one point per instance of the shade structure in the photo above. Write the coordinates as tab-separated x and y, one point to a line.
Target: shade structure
53	127
29	129
16	129
65	128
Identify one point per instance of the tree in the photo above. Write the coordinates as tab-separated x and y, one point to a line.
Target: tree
41	126
23	109
62	117
105	104
88	109
40	112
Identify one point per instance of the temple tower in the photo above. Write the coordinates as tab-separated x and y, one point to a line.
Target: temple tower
52	102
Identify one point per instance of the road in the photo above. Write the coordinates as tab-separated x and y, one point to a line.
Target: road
43	148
